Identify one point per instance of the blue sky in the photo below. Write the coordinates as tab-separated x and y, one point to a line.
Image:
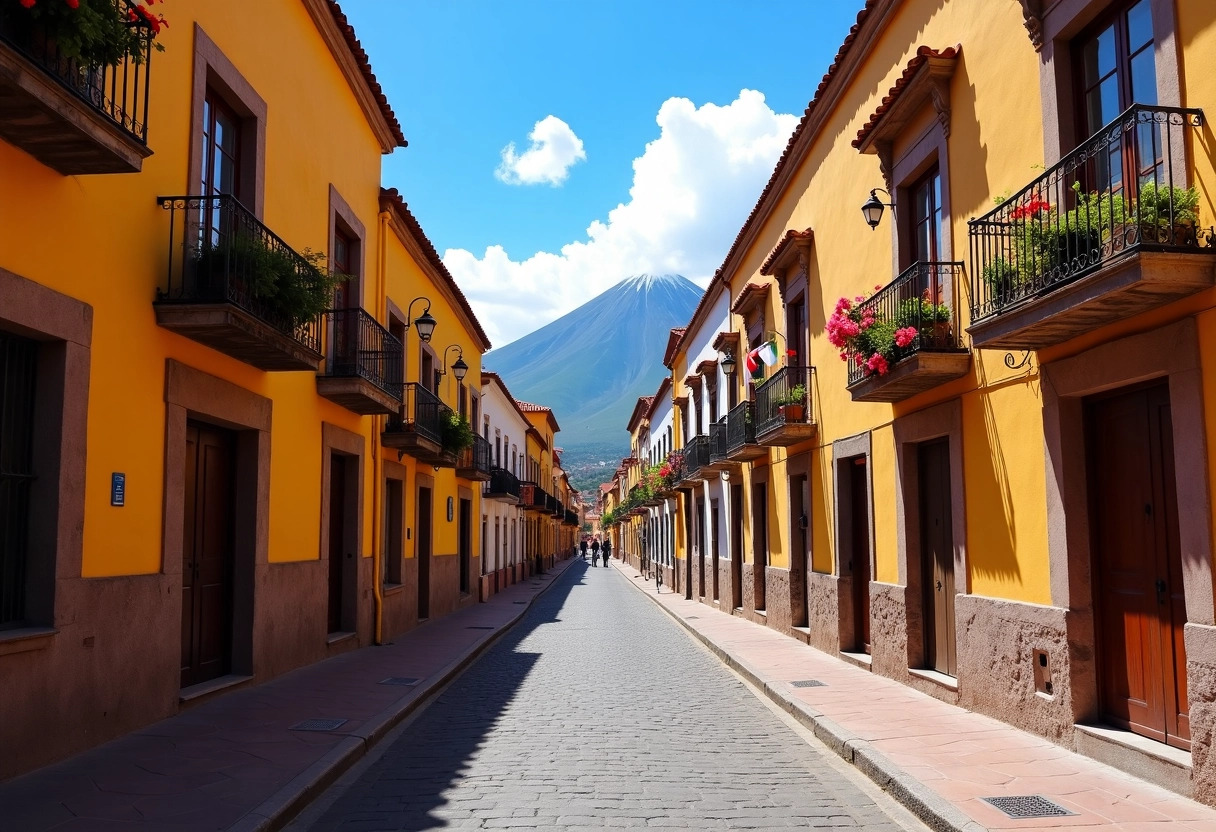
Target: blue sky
596	81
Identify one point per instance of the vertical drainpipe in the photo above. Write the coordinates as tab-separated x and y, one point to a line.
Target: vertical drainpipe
377	463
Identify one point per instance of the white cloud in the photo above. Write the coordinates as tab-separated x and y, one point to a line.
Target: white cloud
692	189
548	160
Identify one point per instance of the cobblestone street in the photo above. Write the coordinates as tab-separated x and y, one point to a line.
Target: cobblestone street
597	711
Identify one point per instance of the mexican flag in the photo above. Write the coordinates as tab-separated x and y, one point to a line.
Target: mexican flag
766	353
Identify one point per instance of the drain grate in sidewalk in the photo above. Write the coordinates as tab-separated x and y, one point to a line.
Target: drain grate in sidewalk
1028	806
400	680
318	725
809	683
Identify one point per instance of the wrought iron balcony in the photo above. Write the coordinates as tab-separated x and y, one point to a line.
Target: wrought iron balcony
417	428
696	457
741	444
916	332
475	461
784	412
1109	231
717	448
571	518
78	115
502	486
231	285
363	363
531	496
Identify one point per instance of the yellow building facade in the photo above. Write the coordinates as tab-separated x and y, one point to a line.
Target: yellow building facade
975	457
250	455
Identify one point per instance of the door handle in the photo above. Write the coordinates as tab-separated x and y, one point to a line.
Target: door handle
939	586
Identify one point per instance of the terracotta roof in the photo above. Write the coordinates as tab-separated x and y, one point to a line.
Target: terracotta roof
641	410
749	296
658	397
394	200
365	67
673	340
790	239
923	54
787	154
528	407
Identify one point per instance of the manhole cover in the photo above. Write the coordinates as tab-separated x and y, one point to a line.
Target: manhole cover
809	683
1028	806
478	627
399	680
318	725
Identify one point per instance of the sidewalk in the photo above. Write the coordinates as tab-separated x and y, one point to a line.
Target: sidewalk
236	763
937	759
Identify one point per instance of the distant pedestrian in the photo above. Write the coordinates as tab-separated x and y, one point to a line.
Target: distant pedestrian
595	551
582	547
607	549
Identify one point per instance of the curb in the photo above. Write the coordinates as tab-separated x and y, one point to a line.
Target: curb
281	808
934	810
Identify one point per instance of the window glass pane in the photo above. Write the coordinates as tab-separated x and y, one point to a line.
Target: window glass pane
1144	77
1139	25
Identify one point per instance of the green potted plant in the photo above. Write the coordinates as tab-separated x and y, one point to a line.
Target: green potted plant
92	33
791	403
1166	214
455	433
288	290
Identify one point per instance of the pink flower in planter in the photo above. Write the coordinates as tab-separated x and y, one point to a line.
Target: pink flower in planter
905	336
877	364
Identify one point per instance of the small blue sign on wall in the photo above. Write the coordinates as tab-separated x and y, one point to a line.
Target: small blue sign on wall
118	489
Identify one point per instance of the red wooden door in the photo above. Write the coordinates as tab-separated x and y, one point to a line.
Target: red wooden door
1138	564
859	563
207	555
937	556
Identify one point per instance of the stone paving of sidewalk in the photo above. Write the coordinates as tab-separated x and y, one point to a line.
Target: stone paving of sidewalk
942	757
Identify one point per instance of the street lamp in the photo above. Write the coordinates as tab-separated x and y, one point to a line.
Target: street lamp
424	322
459	368
728	364
872	209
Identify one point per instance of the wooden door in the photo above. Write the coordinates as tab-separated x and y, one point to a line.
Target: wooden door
207	554
700	547
937	555
736	546
800	501
859	557
337	539
465	544
713	544
1138	564
760	542
423	553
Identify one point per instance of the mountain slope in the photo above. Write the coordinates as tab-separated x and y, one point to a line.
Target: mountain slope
591	364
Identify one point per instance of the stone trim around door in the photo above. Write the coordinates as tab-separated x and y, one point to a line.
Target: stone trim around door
943	420
191	394
840	582
351	445
1171	352
64	327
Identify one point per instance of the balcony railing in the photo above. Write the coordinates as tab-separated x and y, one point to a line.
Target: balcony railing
696	456
532	496
421	413
112	83
913	313
502	484
740	427
571	518
717	440
359	347
219	253
778	396
1122	190
475	461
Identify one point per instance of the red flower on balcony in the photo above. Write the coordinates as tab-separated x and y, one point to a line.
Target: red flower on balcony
1029	209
